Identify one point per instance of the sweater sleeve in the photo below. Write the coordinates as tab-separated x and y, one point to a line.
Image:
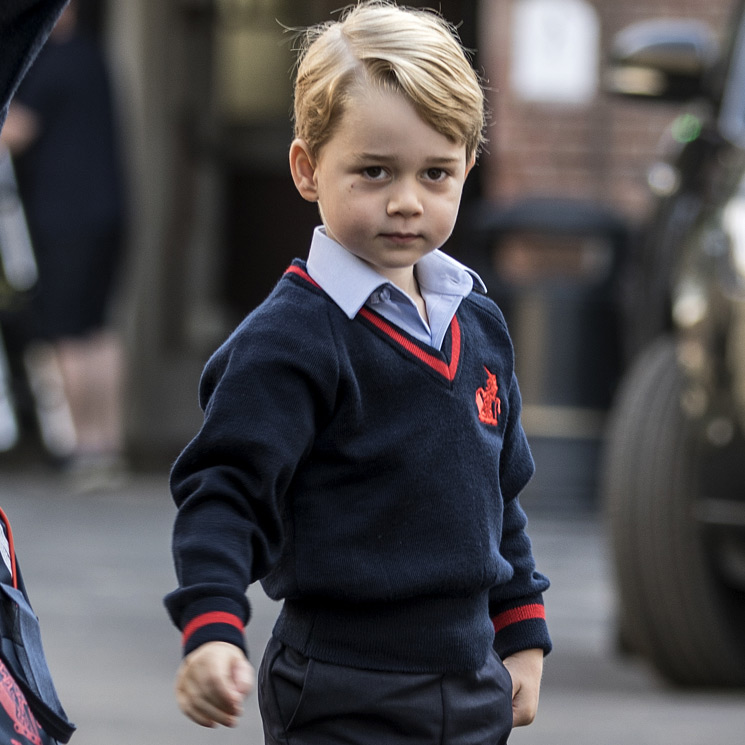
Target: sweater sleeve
516	607
262	394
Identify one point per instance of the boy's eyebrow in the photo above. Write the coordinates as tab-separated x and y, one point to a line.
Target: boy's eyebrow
382	158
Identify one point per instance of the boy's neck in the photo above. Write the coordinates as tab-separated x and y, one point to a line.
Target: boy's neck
406	280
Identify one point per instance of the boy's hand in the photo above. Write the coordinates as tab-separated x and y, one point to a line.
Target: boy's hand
212	682
525	669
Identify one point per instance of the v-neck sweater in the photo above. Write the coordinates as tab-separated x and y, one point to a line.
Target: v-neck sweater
368	480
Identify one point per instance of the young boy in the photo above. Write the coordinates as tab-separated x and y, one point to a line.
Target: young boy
361	452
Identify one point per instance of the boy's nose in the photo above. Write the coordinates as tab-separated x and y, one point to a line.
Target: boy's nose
404	200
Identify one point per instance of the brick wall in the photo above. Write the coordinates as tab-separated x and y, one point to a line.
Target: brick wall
600	150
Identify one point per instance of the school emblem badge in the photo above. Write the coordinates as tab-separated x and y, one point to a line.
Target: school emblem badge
487	400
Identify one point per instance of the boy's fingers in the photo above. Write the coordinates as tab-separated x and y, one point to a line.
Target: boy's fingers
243	677
207	710
524	708
207	715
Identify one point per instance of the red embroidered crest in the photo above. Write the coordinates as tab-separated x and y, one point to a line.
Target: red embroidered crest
490	407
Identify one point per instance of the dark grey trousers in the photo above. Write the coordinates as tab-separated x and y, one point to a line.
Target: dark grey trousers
307	702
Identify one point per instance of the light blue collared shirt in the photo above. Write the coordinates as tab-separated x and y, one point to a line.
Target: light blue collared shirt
351	283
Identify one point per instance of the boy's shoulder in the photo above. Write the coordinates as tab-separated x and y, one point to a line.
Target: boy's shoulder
295	310
294	278
291	328
295	296
485	307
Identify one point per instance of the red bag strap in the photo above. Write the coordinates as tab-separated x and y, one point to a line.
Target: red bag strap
11	547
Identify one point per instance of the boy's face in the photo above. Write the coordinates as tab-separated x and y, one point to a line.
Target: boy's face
388	185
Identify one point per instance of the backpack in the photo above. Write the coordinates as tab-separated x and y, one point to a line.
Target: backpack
30	711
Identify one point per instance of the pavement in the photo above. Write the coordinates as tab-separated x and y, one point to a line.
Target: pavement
98	564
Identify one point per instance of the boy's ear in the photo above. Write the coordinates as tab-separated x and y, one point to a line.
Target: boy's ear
302	167
470	165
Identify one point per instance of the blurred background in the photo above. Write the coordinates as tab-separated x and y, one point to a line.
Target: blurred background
602	224
202	96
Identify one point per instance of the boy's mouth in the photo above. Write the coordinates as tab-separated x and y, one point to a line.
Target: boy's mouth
401	237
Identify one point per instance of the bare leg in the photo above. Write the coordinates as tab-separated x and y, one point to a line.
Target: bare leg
91	369
52	408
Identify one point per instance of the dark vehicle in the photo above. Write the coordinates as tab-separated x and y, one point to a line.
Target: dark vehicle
674	465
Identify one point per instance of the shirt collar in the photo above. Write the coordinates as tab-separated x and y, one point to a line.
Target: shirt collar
349	281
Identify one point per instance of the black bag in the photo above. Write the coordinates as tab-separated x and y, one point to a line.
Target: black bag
30	711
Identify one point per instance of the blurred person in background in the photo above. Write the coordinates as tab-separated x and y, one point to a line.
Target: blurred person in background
24	27
61	133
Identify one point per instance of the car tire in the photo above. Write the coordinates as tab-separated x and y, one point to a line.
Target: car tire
673	606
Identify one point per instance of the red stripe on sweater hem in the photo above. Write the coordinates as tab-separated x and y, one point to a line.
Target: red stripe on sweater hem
516	615
210	618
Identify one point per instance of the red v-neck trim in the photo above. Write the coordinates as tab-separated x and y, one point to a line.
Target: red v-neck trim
447	370
293	269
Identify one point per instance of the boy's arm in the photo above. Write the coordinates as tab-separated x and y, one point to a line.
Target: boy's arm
260	393
212	683
521	635
516	607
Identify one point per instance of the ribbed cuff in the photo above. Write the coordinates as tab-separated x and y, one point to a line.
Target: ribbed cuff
216	621
521	627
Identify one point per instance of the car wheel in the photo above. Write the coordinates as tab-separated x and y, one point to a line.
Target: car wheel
674	607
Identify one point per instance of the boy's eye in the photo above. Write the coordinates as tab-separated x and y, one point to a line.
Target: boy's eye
436	174
374	172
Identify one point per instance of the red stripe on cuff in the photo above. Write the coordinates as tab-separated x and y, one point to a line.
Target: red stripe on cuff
523	613
209	618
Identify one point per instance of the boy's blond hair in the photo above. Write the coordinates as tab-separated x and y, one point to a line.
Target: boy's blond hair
414	52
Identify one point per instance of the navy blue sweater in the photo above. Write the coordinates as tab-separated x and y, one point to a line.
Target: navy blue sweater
367	480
